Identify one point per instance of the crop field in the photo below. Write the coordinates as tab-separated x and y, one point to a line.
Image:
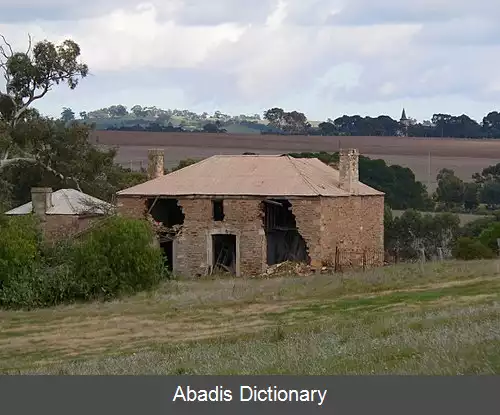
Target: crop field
437	318
424	156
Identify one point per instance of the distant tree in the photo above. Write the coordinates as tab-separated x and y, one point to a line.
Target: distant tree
117	111
138	111
471	196
67	115
83	115
215	127
408	234
327	128
491	125
489	185
490	194
295	123
275	117
450	189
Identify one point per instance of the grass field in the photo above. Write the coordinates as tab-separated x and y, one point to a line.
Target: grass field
443	318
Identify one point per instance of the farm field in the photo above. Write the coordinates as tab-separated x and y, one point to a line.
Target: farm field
464	156
439	318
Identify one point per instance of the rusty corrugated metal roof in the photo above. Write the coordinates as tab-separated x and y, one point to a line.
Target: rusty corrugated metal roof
244	175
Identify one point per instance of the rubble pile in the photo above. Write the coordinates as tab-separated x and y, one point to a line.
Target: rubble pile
288	268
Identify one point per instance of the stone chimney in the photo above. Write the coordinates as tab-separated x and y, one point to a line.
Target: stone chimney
155	163
349	169
41	199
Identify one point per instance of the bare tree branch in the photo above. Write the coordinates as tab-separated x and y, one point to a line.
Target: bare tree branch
30	44
8	45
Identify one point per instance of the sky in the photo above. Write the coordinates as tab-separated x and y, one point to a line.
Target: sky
325	58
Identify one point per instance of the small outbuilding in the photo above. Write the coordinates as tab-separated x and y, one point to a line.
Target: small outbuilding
63	213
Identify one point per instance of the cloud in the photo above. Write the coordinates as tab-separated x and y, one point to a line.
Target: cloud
320	56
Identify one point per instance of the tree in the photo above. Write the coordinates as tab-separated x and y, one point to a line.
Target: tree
117	111
275	117
29	77
295	123
67	115
327	128
71	159
490	194
213	127
138	111
450	189
471	196
408	234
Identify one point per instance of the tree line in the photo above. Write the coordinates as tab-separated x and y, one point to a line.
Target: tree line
278	121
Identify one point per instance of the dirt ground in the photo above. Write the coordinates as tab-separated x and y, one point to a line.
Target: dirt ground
424	156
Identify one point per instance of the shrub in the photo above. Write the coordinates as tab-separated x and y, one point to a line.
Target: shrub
19	246
489	236
116	258
469	249
473	229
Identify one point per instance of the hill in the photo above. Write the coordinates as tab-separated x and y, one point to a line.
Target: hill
441	318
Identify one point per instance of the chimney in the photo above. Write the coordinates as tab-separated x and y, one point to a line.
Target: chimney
155	163
348	169
41	200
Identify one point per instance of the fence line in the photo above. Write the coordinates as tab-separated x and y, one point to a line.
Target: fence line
350	259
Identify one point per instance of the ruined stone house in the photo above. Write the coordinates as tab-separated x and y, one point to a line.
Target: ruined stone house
63	213
244	213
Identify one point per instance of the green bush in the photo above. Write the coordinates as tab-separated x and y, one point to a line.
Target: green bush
19	246
117	258
489	236
469	249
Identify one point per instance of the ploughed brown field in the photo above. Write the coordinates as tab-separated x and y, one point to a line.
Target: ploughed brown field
425	156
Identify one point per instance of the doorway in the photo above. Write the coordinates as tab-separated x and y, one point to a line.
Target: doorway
224	253
167	247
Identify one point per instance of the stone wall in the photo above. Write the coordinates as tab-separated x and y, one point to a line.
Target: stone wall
242	217
354	225
308	218
57	227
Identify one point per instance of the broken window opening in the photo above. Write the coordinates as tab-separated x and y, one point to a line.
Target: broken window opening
218	210
167	219
166	211
284	241
224	253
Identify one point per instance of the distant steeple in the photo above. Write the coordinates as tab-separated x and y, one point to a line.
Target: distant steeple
403	116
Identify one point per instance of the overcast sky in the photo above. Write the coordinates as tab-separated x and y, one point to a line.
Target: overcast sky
325	58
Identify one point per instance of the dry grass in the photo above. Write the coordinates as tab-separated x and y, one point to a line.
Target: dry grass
442	320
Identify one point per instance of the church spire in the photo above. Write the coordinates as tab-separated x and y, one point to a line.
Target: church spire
403	116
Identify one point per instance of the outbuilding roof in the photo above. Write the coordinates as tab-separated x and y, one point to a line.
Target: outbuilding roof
67	202
249	175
